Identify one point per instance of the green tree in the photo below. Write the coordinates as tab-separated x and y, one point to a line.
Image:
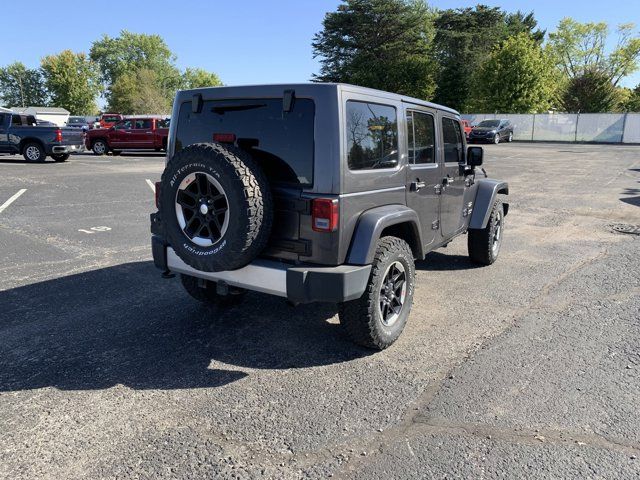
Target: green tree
631	102
580	48
132	52
72	80
21	86
381	44
517	77
520	22
197	78
591	92
464	38
139	92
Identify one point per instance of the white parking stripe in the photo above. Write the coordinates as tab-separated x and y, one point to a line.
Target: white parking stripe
12	199
151	185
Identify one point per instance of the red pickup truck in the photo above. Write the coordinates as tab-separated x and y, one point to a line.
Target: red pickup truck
142	133
108	120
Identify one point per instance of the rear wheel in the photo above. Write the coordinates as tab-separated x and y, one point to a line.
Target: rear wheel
33	152
206	292
510	138
484	244
99	147
60	157
377	319
496	138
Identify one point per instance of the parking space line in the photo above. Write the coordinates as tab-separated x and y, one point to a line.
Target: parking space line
12	199
151	185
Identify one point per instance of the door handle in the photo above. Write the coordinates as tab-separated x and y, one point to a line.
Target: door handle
417	185
149	133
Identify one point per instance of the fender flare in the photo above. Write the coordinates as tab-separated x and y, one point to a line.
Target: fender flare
370	226
488	189
23	143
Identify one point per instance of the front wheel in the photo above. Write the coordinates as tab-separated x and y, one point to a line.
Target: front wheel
484	244
99	147
60	157
377	319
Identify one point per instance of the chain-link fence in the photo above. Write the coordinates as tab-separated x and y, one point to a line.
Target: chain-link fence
569	127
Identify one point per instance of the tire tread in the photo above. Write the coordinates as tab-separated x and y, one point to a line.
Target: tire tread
357	316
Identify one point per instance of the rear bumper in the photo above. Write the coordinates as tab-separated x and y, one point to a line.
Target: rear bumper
58	149
297	283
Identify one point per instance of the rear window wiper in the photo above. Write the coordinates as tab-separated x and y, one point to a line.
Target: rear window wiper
221	109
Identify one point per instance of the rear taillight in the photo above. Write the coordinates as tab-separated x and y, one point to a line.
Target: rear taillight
324	214
157	193
58	135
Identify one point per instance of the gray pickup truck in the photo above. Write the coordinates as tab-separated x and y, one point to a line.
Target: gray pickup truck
319	192
19	134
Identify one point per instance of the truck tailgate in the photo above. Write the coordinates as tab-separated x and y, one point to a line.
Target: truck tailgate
72	136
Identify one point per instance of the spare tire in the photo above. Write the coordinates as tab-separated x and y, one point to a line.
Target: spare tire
216	207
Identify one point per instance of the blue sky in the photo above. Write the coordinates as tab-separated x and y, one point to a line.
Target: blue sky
243	41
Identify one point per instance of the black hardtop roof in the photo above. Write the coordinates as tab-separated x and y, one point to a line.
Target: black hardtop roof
322	86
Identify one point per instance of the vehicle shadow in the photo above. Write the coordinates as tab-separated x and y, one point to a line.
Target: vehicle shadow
125	325
438	261
20	159
135	153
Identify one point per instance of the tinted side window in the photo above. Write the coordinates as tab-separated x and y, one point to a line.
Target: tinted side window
421	135
141	124
124	125
372	132
452	136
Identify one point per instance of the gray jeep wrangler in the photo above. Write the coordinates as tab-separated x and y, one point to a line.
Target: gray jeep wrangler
319	193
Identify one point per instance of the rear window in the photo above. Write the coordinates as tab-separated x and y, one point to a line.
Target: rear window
281	142
110	119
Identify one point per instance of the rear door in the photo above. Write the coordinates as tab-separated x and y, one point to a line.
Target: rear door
280	142
142	133
424	174
453	179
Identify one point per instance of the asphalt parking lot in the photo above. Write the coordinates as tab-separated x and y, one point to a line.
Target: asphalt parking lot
528	368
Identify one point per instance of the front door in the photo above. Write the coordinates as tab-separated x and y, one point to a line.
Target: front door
4	136
142	134
453	180
423	172
119	136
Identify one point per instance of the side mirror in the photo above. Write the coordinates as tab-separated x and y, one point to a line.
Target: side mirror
474	156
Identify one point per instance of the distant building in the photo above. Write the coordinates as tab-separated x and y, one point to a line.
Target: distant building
56	115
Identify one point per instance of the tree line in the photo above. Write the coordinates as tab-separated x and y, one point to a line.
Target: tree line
135	73
479	59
